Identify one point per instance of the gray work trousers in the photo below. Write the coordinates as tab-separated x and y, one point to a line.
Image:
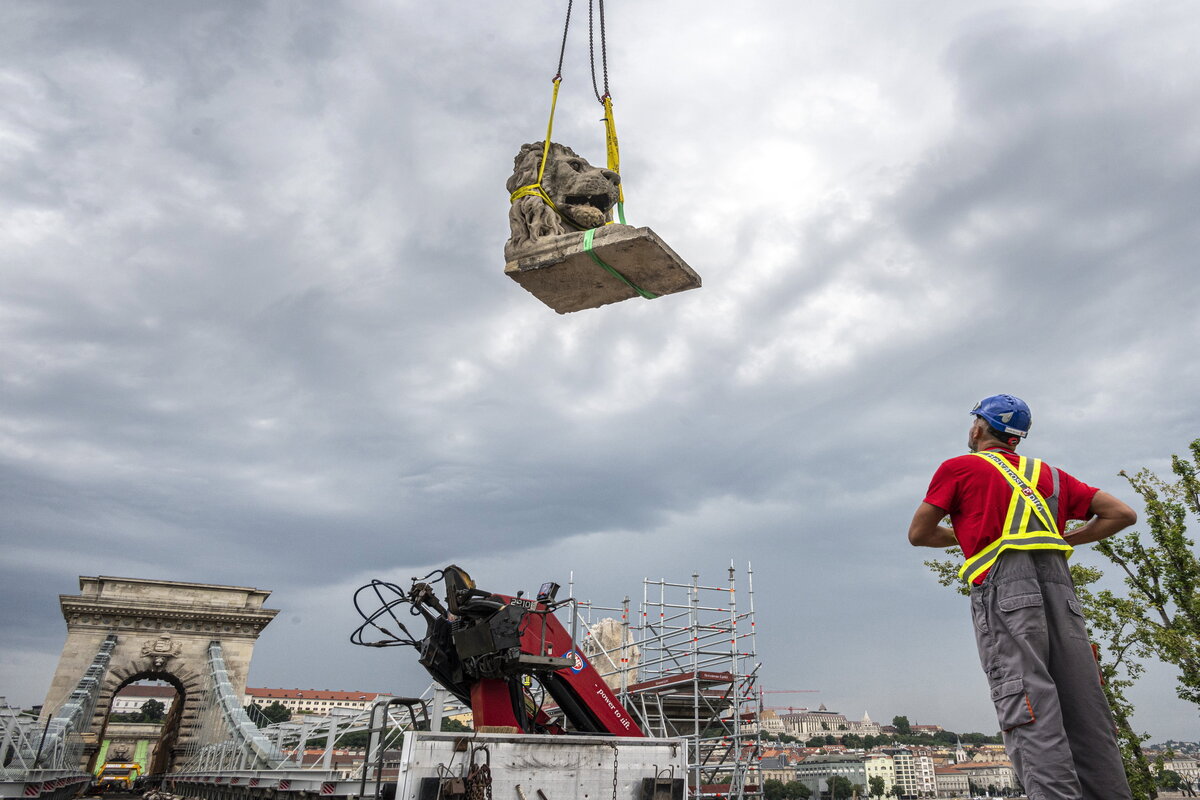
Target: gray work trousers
1033	646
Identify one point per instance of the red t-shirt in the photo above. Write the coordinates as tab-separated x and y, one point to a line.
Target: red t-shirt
976	496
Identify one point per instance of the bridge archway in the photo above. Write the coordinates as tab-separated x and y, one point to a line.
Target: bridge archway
163	630
165	750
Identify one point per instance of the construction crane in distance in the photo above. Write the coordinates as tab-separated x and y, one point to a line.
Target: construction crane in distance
762	700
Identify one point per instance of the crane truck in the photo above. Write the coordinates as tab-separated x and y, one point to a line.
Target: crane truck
546	726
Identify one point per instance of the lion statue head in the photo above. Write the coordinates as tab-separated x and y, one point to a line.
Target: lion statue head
585	196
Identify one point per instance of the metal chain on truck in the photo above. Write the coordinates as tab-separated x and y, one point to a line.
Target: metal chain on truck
479	777
616	762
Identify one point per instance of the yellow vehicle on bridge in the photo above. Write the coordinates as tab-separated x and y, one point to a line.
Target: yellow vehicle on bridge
117	776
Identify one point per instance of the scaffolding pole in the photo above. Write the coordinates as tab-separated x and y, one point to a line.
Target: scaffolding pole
686	666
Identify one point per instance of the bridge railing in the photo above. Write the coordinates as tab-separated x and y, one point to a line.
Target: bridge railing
60	745
42	760
19	735
226	739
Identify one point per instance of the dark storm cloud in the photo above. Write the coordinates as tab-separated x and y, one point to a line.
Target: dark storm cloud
255	328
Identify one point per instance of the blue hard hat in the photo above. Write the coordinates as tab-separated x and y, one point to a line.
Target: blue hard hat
1005	413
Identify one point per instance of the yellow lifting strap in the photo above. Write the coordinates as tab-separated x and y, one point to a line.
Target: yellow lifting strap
614	151
614	160
535	189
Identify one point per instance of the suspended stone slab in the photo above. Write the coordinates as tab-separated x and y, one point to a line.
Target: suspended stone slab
566	278
555	207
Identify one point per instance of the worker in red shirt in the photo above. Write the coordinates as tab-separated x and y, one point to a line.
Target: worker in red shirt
1008	514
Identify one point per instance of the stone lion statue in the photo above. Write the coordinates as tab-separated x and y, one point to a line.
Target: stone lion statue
584	194
609	643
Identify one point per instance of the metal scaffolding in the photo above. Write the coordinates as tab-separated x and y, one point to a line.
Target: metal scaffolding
686	665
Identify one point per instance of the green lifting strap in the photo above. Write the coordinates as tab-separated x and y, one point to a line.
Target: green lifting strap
587	248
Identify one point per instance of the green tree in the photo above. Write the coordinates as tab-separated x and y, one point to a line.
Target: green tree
901	725
816	741
1159	614
361	740
275	712
877	786
945	737
355	739
1163	575
1170	780
773	789
840	787
980	738
153	711
795	790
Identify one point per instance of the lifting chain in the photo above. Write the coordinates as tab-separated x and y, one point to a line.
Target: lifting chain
562	50
592	49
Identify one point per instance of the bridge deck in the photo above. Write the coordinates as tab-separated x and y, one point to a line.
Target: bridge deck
46	784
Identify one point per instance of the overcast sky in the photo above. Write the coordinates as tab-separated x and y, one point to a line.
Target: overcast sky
254	326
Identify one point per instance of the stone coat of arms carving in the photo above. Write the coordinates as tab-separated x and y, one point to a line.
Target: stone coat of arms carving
161	649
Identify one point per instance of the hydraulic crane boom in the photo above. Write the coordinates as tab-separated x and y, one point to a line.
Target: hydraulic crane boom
486	649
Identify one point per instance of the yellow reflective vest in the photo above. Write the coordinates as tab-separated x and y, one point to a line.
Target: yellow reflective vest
1031	522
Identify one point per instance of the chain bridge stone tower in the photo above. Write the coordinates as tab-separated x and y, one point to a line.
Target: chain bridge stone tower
163	631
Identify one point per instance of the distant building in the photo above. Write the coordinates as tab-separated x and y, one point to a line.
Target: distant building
776	768
925	775
989	752
806	724
951	782
880	764
867	726
926	730
131	698
767	722
914	770
998	774
311	701
1187	767
815	771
